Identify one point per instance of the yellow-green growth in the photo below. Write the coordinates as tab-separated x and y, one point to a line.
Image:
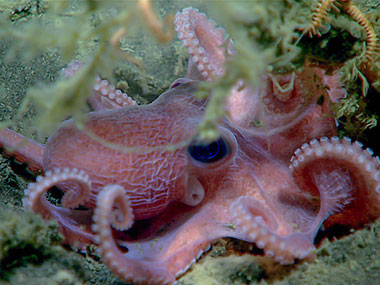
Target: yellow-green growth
25	238
262	41
66	97
352	111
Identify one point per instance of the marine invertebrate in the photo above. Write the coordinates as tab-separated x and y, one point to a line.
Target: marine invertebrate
199	189
353	11
318	16
358	16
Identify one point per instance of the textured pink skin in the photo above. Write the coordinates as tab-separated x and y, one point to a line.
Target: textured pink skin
151	179
288	208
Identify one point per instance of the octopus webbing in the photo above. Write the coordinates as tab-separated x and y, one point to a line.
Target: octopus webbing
154	197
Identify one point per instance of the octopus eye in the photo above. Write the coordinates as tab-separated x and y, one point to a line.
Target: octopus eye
209	153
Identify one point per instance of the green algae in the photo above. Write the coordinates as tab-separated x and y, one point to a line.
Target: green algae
352	260
355	258
262	42
25	238
57	30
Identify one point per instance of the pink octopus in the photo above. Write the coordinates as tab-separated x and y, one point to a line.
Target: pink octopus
156	197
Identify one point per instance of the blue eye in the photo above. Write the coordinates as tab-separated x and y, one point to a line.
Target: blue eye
208	153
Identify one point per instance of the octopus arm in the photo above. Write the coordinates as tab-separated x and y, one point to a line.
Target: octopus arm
74	224
258	224
183	234
128	269
24	150
344	178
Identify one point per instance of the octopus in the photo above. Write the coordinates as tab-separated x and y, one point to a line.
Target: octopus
140	184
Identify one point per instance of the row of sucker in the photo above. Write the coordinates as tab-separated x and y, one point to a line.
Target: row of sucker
71	199
104	216
341	149
186	31
283	249
115	95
